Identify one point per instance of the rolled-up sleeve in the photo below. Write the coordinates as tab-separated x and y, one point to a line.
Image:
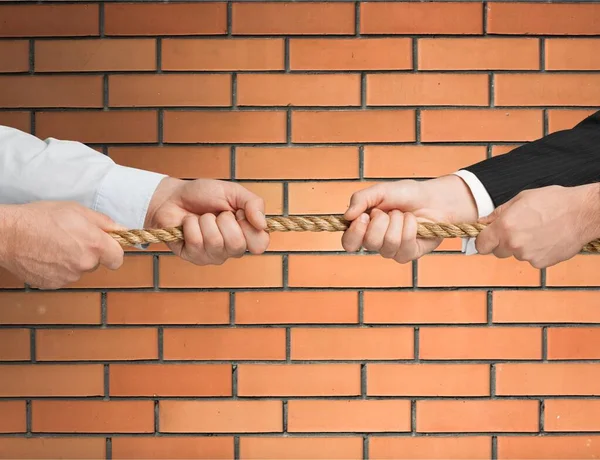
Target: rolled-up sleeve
32	169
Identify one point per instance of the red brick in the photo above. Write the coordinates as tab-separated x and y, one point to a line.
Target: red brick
14	345
544	447
225	127
305	241
387	161
225	344
354	343
477	416
502	149
66	448
95	55
49	20
167	308
573	343
223	54
479	54
348	416
286	18
577	271
299	380
425	307
220	416
547	89
427	89
350	54
165	19
483	125
292	448
492	343
429	448
183	162
249	271
571	415
457	270
547	379
36	380
347	271
572	54
353	126
37	308
136	271
99	127
545	307
18	120
297	162
168	90
14	55
172	447
13	418
325	197
428	380
543	19
92	416
271	193
50	91
298	90
195	380
559	120
322	307
96	344
420	18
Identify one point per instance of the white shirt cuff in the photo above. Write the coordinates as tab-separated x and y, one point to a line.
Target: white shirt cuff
483	201
125	193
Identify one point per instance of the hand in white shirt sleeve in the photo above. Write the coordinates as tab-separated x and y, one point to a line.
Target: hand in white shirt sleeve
484	203
32	169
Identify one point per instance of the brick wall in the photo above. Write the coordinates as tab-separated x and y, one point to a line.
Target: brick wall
305	352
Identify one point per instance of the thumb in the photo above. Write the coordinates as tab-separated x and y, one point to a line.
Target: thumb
363	200
102	221
253	205
492	216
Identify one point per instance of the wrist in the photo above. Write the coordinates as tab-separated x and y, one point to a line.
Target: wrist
451	194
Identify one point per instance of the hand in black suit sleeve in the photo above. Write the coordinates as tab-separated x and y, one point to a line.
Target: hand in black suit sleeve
568	158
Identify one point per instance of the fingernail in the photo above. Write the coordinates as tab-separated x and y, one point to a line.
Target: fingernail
364	218
240	214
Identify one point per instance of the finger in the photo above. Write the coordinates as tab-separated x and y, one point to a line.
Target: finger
111	252
393	235
492	216
252	204
257	241
376	231
409	247
353	237
502	252
214	245
487	240
363	200
233	237
192	249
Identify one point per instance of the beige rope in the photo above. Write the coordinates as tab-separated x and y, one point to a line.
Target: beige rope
312	224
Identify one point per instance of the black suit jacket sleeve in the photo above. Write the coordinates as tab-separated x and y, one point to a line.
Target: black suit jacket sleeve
568	158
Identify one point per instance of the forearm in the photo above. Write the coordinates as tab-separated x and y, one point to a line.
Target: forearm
7	220
54	170
567	158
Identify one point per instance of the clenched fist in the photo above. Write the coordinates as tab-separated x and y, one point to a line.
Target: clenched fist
51	244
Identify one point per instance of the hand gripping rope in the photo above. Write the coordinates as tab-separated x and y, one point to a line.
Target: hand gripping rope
313	224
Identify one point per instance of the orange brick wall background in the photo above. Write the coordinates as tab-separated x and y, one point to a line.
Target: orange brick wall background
304	352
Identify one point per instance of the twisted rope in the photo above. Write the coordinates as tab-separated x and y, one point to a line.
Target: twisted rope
313	224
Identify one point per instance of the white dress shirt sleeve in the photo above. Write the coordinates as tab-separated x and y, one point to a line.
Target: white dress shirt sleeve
483	201
32	169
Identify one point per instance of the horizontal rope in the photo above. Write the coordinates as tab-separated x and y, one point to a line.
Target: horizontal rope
312	224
